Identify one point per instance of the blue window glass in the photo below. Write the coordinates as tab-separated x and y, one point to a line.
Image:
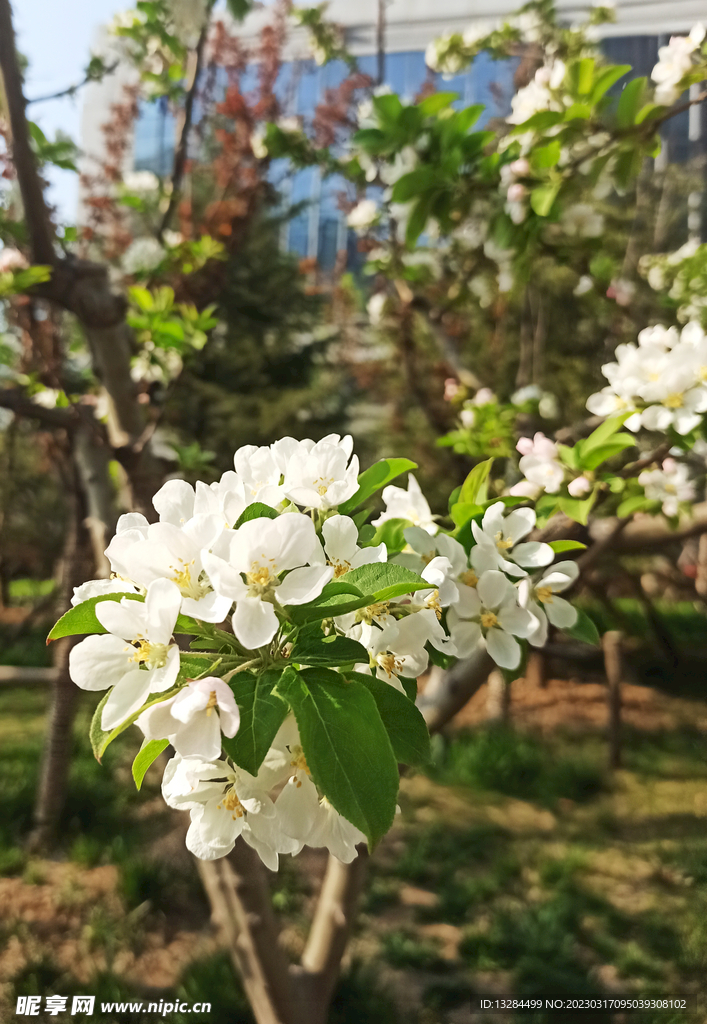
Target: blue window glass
154	138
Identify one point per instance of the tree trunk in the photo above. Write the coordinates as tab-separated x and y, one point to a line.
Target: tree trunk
498	699
56	757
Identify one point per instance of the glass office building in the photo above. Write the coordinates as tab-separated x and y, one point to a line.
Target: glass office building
319	229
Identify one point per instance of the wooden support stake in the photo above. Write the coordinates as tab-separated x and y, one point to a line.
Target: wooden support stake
614	671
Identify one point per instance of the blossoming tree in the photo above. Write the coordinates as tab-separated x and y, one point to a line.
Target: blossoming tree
260	625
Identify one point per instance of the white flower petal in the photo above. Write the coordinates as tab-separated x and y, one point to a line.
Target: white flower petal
504	650
254	623
125	699
99	662
303	585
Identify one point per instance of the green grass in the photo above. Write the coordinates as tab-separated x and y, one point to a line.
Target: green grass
501	760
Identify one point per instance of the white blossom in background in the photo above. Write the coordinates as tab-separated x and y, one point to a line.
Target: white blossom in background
147	663
663	378
363	216
670	485
675	62
540	465
257	143
142	256
194	719
491	615
140	183
188	17
410	504
582	221
539	597
12	259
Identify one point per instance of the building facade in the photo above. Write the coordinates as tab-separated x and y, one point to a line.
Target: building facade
318	230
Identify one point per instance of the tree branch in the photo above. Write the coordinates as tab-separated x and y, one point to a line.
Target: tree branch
180	156
16	401
240	900
39	227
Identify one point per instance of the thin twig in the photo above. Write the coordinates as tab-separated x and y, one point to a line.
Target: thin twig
73	89
180	156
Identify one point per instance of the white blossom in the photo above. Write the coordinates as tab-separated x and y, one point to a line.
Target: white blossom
409	504
262	550
670	485
363	215
497	542
142	256
147	663
194	719
490	614
540	598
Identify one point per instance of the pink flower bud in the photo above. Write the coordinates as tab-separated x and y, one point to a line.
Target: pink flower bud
579	486
516	193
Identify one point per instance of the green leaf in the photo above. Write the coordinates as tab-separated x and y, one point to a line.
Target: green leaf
543	197
417	221
262	713
392	534
584	630
633	504
539	122
101	740
148	752
578	509
403	722
475	488
581	75
82	617
569	455
603	432
463	511
142	297
469	116
605	79
578	112
337	598
385	580
546	156
328	650
346	745
436	102
373	479
604	452
415	183
631	102
255	511
388	107
558	546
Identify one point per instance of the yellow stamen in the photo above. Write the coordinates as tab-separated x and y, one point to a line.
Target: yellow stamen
212	702
544	595
489	620
231	803
673	401
501	544
340	568
468	578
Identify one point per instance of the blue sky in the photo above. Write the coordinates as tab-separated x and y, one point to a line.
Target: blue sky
56	37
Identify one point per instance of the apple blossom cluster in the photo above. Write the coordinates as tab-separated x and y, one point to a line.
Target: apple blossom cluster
301	633
683	276
662	380
543	470
669	484
676	62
